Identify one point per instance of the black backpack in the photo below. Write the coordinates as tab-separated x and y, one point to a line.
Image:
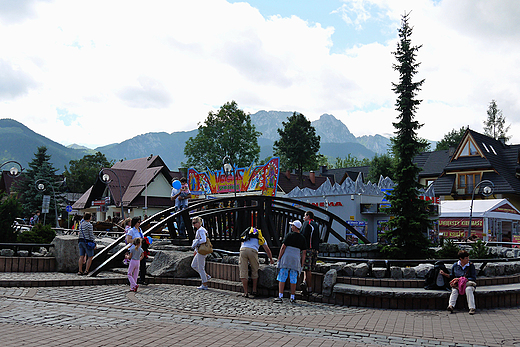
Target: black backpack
430	281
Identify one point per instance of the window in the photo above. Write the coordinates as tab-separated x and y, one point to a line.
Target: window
467	182
469	149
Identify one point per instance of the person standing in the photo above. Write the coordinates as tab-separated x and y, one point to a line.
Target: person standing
135	232
252	239
311	232
199	260
181	198
135	254
291	260
463	281
85	234
35	219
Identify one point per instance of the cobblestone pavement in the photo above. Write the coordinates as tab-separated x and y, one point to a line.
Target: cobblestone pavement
169	315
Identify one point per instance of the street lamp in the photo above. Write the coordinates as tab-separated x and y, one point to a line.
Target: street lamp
105	178
486	191
228	167
13	171
40	185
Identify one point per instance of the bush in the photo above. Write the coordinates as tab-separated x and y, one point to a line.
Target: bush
38	234
479	250
449	250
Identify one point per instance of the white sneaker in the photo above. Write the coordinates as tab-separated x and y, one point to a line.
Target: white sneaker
208	277
203	287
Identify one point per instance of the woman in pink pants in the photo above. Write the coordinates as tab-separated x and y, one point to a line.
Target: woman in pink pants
135	254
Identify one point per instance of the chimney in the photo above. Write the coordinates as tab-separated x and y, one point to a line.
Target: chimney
312	177
288	174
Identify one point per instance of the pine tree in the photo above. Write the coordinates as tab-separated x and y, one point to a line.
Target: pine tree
494	125
31	198
406	230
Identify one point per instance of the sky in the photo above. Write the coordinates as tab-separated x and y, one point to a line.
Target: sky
96	72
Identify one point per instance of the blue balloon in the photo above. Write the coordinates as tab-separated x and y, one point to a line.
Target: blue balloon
176	184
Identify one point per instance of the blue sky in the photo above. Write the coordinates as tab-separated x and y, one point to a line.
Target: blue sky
164	64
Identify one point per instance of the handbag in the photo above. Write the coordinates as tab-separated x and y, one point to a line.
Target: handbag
206	247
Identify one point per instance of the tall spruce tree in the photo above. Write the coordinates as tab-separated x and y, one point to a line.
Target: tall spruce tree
31	198
495	123
410	219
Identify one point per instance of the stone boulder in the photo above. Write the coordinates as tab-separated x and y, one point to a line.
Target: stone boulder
267	276
66	252
172	264
329	280
346	270
408	273
343	247
226	259
23	253
396	272
422	269
360	270
6	252
379	272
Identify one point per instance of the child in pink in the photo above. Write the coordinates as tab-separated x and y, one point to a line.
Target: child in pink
135	254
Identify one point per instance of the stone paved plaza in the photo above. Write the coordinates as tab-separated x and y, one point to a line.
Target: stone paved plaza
173	315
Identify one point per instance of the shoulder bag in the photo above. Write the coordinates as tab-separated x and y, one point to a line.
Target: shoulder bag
206	247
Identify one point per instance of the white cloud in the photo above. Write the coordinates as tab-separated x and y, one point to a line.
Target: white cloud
132	67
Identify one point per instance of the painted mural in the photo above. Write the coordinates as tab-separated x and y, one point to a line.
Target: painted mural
258	178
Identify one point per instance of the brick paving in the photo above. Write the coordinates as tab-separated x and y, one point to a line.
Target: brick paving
172	315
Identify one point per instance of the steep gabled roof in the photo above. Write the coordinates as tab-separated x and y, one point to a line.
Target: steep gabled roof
500	161
432	163
134	175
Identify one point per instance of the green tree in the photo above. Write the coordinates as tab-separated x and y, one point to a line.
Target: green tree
381	165
31	198
451	139
406	230
82	173
494	125
298	145
10	209
350	161
227	132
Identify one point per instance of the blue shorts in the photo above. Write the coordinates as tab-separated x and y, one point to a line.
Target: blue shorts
283	273
83	249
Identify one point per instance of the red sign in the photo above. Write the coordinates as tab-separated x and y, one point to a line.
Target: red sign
506	208
98	202
458	227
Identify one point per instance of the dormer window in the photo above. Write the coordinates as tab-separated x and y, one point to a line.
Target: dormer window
468	149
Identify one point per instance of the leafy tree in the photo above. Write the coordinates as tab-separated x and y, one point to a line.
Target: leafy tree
494	125
82	173
381	165
298	145
227	132
351	161
451	139
31	198
479	250
10	209
410	214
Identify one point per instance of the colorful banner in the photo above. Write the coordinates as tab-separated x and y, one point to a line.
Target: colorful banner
259	178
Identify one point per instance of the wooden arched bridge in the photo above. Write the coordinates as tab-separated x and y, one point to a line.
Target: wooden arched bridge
226	218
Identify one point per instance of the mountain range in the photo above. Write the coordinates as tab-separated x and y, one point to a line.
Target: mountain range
336	141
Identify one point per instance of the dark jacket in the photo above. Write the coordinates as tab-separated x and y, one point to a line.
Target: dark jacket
430	281
311	232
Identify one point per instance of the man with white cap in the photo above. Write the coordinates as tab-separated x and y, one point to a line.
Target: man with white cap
291	260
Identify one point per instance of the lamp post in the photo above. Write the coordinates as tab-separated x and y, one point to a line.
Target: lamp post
228	167
40	185
486	191
105	178
13	171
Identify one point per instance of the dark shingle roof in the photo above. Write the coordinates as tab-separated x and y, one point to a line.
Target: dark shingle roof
432	163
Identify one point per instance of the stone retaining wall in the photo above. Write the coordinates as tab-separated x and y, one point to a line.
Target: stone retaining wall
27	264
